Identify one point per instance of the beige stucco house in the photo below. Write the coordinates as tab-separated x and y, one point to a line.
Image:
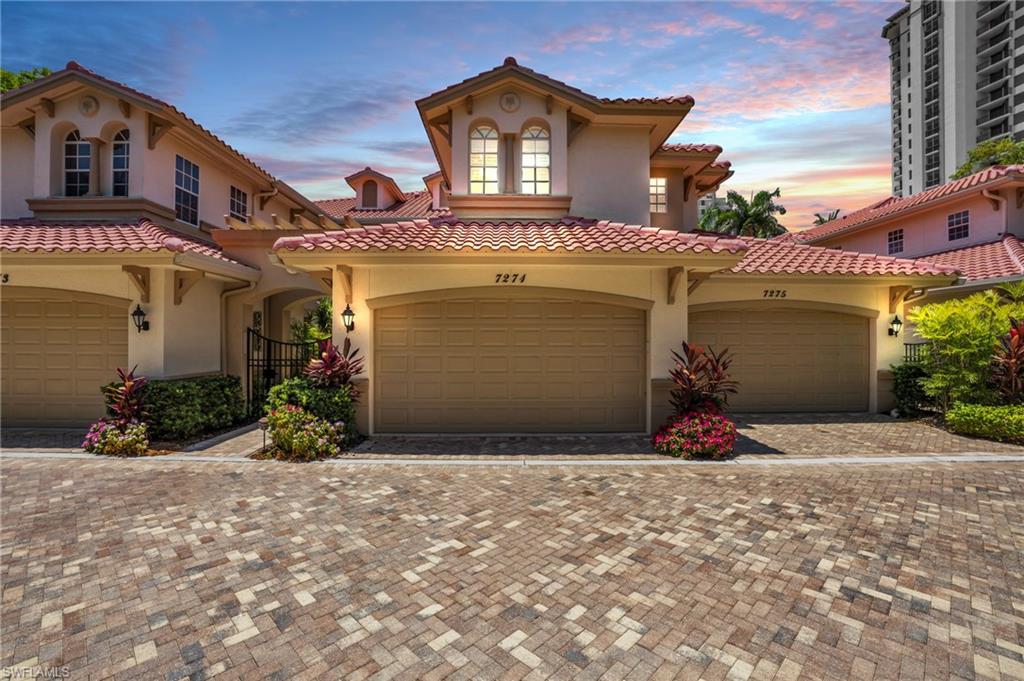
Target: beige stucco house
536	283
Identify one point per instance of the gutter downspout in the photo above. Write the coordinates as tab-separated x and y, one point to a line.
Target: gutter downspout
1001	200
266	196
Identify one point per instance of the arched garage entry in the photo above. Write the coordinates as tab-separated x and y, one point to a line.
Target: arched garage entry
523	360
792	356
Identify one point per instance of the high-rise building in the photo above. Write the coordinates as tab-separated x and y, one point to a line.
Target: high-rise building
957	79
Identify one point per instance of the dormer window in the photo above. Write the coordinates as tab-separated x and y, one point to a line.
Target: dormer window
370	194
119	163
77	164
483	160
536	166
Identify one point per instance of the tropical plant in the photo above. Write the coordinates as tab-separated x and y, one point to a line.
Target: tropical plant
14	79
299	435
315	325
822	218
333	367
701	378
125	399
1008	364
746	218
990	153
696	435
963	334
908	389
1003	423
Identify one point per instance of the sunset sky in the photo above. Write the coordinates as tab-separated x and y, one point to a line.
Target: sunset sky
797	93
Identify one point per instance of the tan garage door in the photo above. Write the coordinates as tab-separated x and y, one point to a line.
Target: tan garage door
56	354
529	366
790	360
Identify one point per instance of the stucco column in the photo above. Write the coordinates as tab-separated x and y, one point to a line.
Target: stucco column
95	147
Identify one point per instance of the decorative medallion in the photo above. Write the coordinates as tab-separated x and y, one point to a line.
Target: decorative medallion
510	102
88	105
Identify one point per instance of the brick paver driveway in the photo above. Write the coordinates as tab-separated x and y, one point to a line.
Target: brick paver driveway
161	569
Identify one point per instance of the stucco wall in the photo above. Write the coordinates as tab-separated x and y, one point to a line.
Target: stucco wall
927	232
681	214
486	109
16	171
608	174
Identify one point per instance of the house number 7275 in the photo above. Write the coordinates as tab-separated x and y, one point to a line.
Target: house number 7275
509	278
774	293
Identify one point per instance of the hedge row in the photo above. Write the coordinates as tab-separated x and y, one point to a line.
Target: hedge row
179	409
1005	423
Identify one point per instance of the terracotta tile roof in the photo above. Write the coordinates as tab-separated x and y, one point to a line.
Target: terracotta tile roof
692	148
510	64
416	205
772	256
36	236
895	205
994	260
566	235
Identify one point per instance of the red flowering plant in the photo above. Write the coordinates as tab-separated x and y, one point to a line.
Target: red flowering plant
1008	364
698	429
334	367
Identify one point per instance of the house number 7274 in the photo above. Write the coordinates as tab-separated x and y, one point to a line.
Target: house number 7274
509	278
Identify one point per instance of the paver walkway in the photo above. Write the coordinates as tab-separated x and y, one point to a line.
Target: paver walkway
176	570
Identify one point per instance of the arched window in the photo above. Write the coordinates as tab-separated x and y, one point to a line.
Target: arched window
370	194
77	163
483	160
536	166
119	162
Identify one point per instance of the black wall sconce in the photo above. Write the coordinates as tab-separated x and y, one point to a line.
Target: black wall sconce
139	317
895	325
348	318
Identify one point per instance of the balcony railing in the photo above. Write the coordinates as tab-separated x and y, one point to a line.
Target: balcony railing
914	352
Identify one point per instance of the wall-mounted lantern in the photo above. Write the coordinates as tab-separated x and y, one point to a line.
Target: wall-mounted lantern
895	325
139	317
348	318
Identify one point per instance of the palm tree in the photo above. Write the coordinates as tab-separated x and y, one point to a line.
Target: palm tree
822	218
746	218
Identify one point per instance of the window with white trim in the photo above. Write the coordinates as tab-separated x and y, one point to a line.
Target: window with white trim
186	191
536	168
77	164
659	195
119	152
895	241
238	204
483	160
958	225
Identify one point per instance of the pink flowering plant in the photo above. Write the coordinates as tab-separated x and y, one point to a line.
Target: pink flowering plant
298	435
117	438
698	435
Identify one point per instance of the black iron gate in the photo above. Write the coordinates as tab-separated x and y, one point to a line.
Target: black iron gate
270	362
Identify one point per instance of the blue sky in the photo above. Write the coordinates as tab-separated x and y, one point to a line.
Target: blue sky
796	92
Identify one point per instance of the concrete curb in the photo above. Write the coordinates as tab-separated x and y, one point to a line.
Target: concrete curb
523	462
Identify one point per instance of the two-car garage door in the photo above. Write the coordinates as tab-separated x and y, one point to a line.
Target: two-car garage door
56	354
791	359
504	366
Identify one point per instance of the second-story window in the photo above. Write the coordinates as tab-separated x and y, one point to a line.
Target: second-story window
536	161
958	225
186	191
238	205
483	160
659	195
77	164
119	163
370	194
895	241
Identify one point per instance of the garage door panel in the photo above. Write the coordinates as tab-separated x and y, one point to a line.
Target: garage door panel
57	354
517	366
791	360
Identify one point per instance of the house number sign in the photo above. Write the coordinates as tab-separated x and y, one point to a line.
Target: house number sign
510	278
774	293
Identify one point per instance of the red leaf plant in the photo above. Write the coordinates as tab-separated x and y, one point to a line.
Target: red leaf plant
1008	364
334	368
702	380
125	398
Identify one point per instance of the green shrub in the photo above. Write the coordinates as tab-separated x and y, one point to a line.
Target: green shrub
330	404
117	438
301	436
963	333
1005	424
908	388
178	409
